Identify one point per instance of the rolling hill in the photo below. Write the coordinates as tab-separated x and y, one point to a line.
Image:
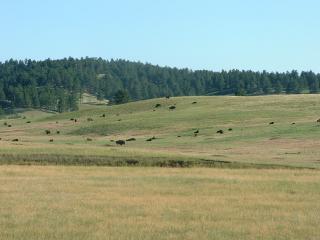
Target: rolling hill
248	139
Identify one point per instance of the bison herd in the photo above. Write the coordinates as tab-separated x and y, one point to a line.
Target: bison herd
123	142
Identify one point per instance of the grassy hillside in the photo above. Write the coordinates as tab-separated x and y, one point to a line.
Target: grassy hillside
252	139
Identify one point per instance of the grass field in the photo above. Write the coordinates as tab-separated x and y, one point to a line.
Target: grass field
251	142
64	203
263	181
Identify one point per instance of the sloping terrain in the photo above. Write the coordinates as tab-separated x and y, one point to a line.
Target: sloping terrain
265	130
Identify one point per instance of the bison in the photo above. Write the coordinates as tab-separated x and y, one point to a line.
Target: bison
131	139
90	119
15	140
172	107
47	132
220	131
271	123
120	142
157	105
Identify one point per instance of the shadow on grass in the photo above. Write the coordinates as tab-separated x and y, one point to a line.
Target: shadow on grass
113	161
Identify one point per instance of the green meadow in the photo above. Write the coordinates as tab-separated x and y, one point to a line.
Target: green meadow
256	180
247	140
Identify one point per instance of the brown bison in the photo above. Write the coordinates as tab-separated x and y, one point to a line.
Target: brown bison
120	142
131	139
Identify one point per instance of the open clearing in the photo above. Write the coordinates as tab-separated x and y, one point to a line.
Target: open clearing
63	202
98	202
293	140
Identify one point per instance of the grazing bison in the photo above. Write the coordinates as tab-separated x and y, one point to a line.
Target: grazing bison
103	115
220	131
271	123
318	121
89	139
120	142
168	97
230	129
58	132
47	132
179	136
151	139
157	105
15	140
131	139
5	124
71	119
194	103
196	132
75	120
293	123
28	121
51	140
172	107
9	125
90	119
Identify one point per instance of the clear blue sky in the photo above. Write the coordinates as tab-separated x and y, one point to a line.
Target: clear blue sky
275	35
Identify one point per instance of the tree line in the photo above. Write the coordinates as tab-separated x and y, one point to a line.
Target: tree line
58	84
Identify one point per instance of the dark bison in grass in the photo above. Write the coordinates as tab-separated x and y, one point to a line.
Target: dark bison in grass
131	139
220	132
172	107
151	139
120	142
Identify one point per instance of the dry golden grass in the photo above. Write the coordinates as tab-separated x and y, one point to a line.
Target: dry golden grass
65	203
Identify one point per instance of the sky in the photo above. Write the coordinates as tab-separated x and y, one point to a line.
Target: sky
272	35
